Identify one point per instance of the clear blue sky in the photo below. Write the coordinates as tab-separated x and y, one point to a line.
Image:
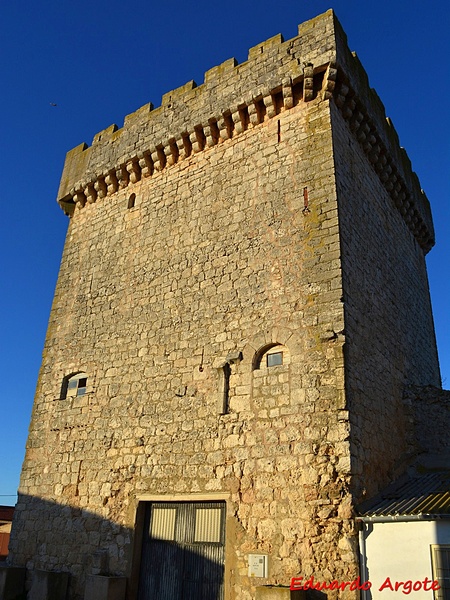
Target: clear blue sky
99	60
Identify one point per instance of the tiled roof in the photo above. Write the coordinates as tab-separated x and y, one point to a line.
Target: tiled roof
425	495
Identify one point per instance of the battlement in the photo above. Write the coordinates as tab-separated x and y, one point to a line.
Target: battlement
315	65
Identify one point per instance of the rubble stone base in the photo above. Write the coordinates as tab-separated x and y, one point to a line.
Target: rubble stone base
48	585
100	587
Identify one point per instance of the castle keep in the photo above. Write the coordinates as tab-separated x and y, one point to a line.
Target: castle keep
241	304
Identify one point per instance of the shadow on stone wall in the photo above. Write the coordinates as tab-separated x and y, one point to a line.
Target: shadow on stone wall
315	595
47	536
58	537
428	412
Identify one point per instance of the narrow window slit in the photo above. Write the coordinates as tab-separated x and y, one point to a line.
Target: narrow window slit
224	389
131	201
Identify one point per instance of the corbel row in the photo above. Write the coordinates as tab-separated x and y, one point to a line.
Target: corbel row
375	150
204	135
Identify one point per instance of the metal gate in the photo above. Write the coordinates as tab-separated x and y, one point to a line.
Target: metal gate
183	551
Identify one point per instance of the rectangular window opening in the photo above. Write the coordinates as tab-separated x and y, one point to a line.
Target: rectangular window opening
208	525
440	560
274	359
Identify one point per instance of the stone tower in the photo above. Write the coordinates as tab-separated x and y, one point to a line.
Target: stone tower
241	303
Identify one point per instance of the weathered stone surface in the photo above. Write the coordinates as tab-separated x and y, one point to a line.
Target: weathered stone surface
269	210
278	593
48	585
100	587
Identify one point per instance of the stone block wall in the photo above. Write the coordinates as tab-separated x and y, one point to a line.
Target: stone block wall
216	256
389	331
239	218
428	418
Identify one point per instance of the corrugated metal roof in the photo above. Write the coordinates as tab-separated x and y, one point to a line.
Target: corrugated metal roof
422	495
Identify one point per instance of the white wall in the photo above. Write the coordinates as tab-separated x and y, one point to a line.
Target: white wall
401	551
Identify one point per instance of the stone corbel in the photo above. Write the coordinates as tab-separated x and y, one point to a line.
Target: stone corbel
193	142
288	96
270	106
78	195
253	114
329	82
90	193
158	158
122	177
363	132
181	148
111	182
356	120
224	130
342	95
308	82
234	358
145	165
238	126
208	135
100	187
171	152
134	170
348	108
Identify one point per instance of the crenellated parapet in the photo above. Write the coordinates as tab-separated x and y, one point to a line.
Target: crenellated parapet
234	98
382	148
191	118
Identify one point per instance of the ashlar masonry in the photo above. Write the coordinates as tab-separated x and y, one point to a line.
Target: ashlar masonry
241	303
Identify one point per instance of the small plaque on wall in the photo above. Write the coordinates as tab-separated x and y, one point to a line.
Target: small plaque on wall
257	565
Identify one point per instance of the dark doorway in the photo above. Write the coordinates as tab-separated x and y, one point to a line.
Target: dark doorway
183	551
